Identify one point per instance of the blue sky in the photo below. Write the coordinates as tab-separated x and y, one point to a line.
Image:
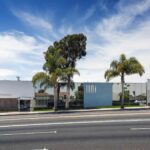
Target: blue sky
112	27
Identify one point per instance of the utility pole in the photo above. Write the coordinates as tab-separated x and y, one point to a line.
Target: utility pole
18	78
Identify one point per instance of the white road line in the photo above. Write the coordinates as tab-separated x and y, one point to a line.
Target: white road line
41	149
77	116
76	122
140	129
29	133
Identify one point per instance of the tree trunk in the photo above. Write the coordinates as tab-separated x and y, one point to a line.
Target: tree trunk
55	97
68	94
122	95
58	91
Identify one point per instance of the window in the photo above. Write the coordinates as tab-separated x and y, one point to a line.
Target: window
91	88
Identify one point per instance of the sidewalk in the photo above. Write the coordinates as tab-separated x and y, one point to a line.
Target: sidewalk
72	111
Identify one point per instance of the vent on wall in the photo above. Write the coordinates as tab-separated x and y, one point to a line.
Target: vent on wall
91	88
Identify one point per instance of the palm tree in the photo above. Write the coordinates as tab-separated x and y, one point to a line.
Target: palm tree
68	75
45	80
53	72
123	67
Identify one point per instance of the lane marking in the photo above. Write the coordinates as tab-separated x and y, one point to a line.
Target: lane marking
76	122
140	129
79	116
28	133
41	149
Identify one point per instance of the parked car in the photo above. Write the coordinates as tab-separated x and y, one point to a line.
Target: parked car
140	102
137	102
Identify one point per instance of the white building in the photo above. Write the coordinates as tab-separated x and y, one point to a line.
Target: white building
136	91
148	91
16	95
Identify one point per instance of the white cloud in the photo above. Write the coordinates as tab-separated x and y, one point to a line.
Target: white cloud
114	35
38	22
107	39
14	43
112	26
89	13
20	54
4	73
65	30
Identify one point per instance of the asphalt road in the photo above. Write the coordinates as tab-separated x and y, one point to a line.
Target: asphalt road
116	130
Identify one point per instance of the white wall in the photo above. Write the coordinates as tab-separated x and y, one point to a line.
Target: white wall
15	89
148	91
62	89
139	88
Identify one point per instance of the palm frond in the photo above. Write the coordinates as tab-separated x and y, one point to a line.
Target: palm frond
109	74
40	76
46	82
114	64
134	67
122	58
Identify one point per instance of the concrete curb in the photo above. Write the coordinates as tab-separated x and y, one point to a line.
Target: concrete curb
72	111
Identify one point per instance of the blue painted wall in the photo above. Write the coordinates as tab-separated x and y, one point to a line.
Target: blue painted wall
97	94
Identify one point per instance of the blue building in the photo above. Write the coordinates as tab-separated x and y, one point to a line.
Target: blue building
97	94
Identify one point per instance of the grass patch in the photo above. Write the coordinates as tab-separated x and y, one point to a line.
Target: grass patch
107	107
43	109
140	106
126	106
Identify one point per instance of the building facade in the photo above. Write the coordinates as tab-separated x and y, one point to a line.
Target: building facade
97	94
21	95
100	94
133	91
108	94
16	95
148	92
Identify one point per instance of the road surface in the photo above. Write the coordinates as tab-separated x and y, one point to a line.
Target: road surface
112	130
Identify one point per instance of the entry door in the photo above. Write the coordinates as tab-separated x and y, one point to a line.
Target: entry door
25	105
